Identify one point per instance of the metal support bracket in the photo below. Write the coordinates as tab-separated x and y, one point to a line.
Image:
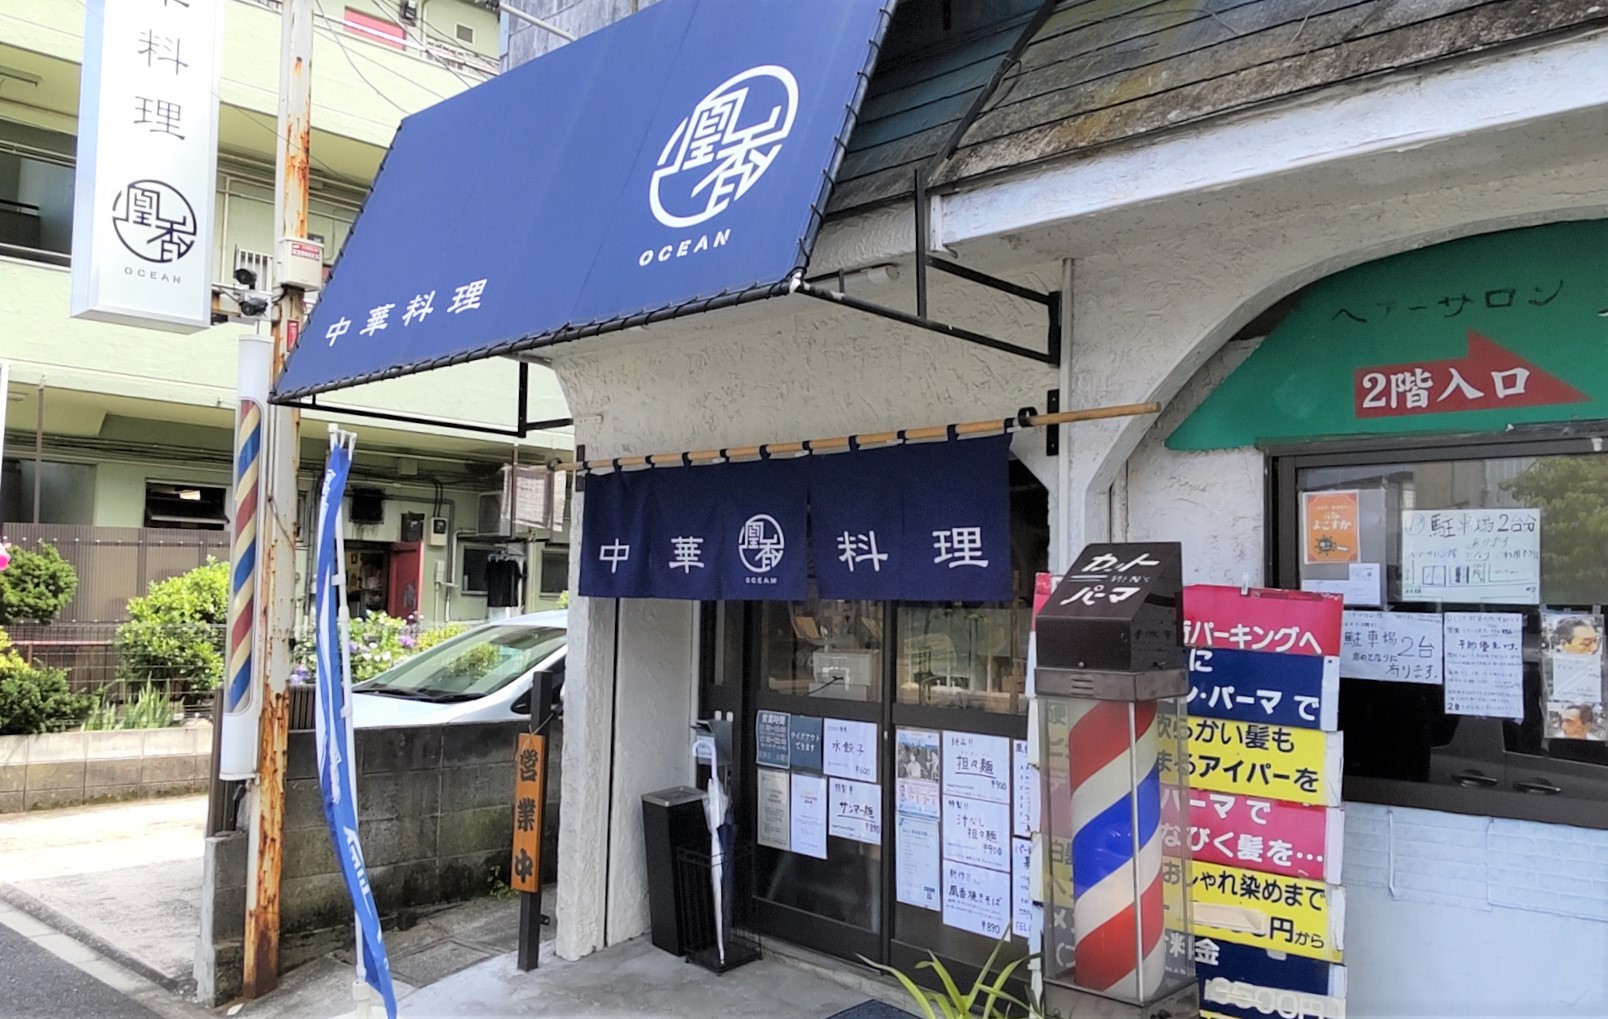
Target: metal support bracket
1052	433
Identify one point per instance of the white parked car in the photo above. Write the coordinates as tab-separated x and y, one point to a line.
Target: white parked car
483	675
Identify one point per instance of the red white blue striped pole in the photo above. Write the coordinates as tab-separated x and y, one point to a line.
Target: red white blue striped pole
1117	907
242	707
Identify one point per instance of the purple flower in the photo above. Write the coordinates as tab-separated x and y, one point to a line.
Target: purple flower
407	641
298	676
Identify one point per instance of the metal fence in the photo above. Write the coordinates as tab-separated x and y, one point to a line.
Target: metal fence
97	666
115	564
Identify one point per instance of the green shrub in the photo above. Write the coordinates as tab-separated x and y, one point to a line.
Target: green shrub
377	644
35	700
430	638
36	586
175	633
151	709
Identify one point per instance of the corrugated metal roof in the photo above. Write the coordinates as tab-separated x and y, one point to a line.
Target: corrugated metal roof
939	56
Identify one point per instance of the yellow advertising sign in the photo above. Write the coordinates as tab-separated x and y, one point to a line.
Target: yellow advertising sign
1267	761
1282	914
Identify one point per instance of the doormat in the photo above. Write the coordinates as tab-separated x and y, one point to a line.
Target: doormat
871	1010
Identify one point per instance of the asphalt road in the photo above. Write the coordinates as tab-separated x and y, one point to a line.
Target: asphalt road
36	984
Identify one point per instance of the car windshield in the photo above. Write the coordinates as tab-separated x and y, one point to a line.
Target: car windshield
477	663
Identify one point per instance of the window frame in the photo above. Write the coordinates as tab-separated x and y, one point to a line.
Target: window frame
1283	464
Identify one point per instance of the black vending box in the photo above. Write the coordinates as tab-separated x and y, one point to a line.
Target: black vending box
672	820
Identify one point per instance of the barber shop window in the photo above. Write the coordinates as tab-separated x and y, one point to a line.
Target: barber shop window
1475	578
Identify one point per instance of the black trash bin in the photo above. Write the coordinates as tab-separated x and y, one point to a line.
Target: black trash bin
672	821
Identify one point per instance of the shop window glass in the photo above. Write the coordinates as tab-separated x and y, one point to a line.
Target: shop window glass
822	648
1466	531
971	657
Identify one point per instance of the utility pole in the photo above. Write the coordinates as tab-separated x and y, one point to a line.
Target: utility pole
275	623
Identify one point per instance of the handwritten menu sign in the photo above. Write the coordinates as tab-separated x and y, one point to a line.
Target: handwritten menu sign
1024	791
977	899
1401	647
977	767
977	832
1022	888
770	739
1485	664
1471	555
854	811
851	749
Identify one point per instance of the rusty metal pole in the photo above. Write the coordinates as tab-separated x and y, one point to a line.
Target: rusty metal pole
276	623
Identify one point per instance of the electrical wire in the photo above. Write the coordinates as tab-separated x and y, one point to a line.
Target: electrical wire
341	43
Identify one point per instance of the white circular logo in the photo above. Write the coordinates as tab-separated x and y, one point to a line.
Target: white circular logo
761	543
719	151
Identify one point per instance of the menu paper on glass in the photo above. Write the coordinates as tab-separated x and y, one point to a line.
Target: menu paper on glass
977	767
977	832
1485	664
855	811
850	749
1471	555
917	772
1022	887
1024	791
807	822
774	799
977	899
1398	647
915	849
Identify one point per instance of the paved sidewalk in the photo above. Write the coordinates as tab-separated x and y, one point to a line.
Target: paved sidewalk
124	878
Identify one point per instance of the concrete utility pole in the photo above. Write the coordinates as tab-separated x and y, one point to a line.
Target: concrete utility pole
275	625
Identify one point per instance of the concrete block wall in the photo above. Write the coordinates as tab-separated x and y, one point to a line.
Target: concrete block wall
1504	917
68	769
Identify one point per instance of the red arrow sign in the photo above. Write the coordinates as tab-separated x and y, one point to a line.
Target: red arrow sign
1490	377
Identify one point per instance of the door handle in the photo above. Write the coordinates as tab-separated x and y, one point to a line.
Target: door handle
1471	779
1540	786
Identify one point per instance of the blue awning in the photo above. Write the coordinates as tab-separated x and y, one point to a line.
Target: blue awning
673	162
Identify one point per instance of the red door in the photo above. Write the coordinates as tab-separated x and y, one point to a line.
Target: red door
406	579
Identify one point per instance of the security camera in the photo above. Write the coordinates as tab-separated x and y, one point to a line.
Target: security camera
253	305
246	278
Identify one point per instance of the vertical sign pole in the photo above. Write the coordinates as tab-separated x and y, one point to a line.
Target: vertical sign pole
275	623
526	870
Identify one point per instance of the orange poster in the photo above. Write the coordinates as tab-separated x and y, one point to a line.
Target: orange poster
1332	525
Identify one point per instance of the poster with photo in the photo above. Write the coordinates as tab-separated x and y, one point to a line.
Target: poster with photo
1573	690
916	771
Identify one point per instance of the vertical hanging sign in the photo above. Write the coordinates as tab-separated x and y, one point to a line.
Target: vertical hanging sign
147	163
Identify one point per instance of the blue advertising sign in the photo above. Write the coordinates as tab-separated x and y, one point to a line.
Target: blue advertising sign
332	725
1257	966
1298	691
804	743
920	523
673	161
770	739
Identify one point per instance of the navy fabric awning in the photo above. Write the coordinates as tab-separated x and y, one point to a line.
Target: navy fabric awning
676	161
916	522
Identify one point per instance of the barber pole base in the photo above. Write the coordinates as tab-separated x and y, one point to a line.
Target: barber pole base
1117	914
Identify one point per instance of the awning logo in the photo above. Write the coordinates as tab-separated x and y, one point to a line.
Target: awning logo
761	543
154	221
727	143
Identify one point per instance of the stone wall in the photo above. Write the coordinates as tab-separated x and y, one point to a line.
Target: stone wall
69	769
435	813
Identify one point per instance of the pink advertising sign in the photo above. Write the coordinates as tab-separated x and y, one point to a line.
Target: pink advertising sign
1260	834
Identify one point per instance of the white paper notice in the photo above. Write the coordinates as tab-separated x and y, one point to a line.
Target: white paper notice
1473	555
977	899
917	773
1024	791
1401	647
916	853
773	808
977	767
1022	887
854	811
977	832
1485	664
1361	586
808	815
849	749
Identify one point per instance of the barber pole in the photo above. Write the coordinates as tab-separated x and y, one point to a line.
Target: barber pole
237	757
1117	912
